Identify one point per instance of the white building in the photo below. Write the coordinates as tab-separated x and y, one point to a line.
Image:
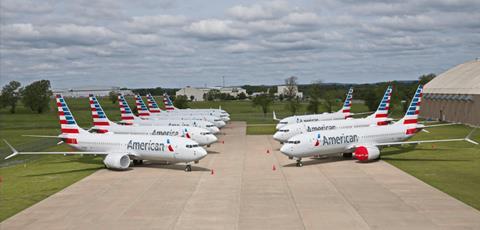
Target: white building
197	94
85	92
283	90
194	94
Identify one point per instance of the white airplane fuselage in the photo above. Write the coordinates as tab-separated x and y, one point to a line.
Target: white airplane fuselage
310	118
175	122
167	116
342	140
155	148
288	131
200	135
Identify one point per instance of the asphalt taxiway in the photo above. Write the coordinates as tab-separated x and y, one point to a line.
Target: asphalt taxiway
241	186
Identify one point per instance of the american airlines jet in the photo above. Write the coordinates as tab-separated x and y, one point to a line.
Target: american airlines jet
364	143
102	125
120	149
341	114
144	113
154	108
378	118
128	118
167	102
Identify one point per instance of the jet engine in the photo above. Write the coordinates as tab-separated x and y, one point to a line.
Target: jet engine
117	161
367	153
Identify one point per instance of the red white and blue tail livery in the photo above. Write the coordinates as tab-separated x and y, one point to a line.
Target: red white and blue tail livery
167	102
141	107
152	104
347	105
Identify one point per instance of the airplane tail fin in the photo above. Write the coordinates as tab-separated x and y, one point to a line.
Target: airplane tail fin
411	116
141	107
167	102
382	111
127	115
100	119
68	125
275	116
347	105
152	104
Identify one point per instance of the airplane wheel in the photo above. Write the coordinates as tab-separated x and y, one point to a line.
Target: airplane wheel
347	155
140	162
188	168
291	158
299	164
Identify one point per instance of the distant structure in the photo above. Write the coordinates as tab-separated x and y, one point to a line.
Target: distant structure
283	90
454	95
197	94
84	92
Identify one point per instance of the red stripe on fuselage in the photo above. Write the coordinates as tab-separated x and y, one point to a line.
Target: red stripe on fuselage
65	130
104	123
410	121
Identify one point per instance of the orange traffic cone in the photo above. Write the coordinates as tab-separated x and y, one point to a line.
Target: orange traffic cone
268	151
212	172
223	142
274	168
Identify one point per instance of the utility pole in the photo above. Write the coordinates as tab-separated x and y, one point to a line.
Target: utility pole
223	81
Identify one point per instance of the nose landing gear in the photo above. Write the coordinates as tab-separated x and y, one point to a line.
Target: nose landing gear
299	162
188	168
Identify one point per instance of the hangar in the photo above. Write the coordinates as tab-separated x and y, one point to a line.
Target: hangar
454	95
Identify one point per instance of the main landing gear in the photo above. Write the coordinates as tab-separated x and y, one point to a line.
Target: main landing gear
137	162
299	162
188	168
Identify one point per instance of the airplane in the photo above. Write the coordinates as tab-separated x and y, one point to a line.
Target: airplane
120	149
343	113
154	108
102	125
168	104
363	143
380	117
144	113
128	118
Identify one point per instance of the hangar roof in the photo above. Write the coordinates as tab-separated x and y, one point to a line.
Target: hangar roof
461	79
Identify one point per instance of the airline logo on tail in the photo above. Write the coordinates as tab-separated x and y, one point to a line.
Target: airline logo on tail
126	113
347	105
382	111
67	122
98	115
141	107
167	102
413	110
152	104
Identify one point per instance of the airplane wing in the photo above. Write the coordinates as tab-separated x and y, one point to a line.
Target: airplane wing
15	152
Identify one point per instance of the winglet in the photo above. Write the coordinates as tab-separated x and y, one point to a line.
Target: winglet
15	152
470	135
275	116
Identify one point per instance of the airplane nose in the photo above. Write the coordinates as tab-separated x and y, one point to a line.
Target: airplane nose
276	136
215	129
212	138
202	153
284	149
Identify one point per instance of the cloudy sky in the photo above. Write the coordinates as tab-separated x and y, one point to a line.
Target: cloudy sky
173	43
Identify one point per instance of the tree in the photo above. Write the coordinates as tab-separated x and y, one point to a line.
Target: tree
314	93
290	93
330	100
113	96
36	96
264	101
181	102
10	95
213	94
242	96
424	79
371	100
192	98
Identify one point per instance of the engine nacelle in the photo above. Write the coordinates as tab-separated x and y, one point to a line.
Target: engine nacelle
117	161
367	153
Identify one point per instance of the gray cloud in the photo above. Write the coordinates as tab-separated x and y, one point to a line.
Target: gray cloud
177	43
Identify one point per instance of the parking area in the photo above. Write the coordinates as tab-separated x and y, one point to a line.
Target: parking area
246	183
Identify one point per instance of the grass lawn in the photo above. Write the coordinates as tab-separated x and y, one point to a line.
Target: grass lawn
453	168
25	180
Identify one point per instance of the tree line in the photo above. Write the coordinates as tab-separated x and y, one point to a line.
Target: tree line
35	96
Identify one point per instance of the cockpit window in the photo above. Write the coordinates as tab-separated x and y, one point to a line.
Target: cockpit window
192	146
283	122
210	125
293	142
205	133
283	130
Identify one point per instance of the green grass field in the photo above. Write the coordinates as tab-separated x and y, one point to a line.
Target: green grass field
25	180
